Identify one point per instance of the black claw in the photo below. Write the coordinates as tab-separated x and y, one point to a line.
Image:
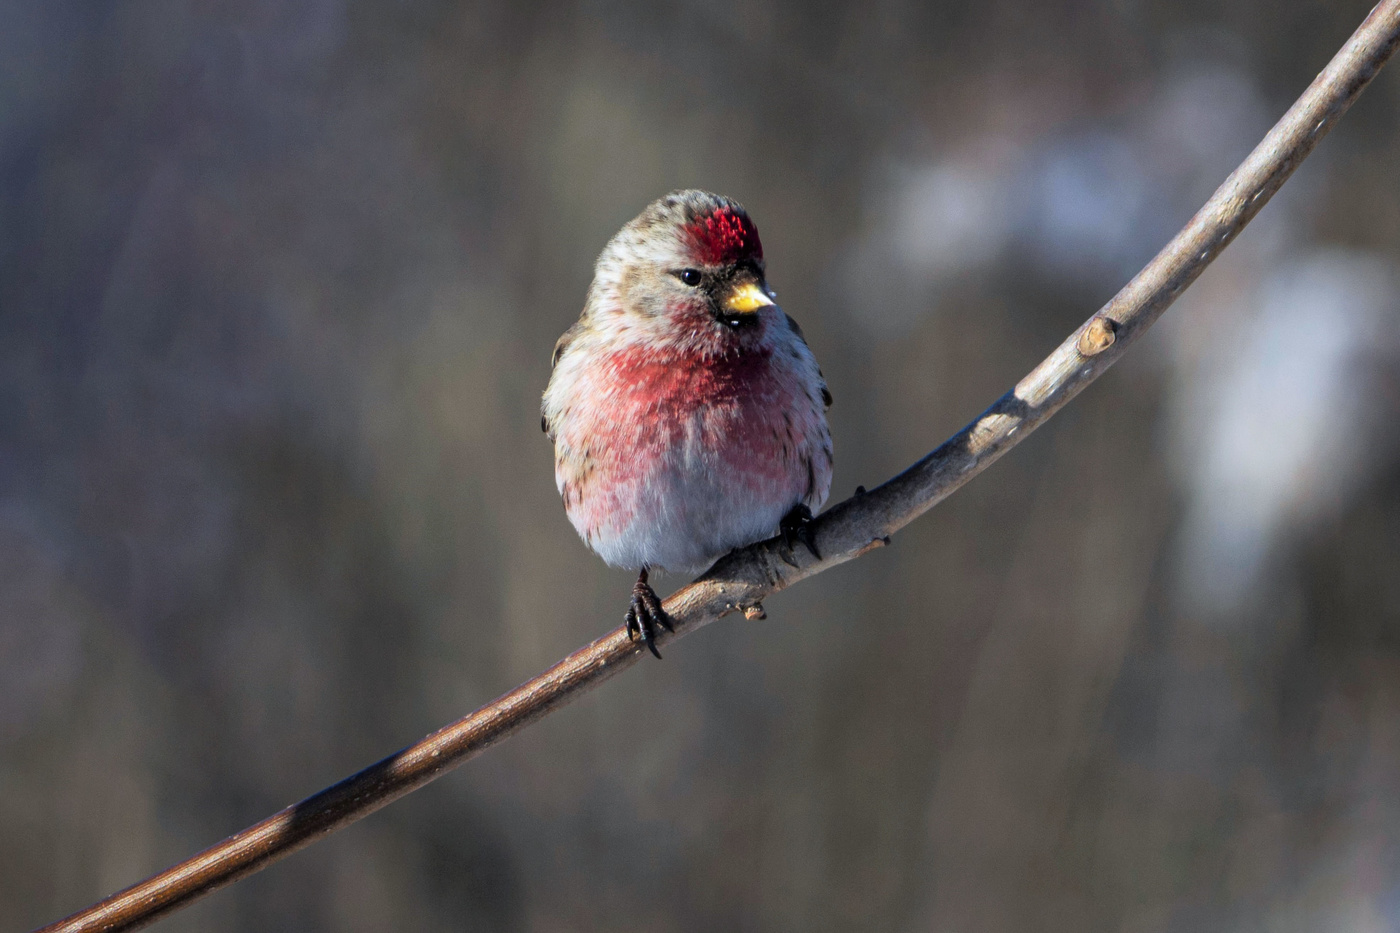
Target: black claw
645	614
797	526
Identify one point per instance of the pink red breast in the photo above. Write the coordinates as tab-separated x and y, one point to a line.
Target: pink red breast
657	437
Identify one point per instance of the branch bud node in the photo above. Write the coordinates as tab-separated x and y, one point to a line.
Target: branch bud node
1098	336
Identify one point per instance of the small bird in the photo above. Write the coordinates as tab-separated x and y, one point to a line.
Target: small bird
688	414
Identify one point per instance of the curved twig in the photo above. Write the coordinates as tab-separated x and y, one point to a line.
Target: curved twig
739	581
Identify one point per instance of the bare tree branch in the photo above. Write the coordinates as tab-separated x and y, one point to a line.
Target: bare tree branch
739	581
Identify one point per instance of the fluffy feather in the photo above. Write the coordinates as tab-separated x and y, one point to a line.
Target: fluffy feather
680	434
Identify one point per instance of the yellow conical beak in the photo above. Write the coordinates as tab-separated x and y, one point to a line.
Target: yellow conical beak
747	298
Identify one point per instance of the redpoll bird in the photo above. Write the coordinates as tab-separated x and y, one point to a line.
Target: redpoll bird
687	413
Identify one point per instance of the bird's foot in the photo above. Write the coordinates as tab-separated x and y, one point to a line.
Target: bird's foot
797	526
645	614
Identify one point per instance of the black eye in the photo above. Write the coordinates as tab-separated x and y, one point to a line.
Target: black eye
690	277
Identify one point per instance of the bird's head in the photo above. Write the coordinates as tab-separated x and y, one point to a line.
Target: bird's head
689	266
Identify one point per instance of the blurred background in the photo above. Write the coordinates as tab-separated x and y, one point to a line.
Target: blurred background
279	281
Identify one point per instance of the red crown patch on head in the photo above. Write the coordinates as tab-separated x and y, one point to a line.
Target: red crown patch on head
725	236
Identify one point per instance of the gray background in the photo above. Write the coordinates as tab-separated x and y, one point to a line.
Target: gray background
279	281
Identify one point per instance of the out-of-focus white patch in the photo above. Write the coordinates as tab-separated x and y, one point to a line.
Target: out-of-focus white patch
1083	206
1276	424
1204	122
1342	891
1087	206
948	217
932	222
